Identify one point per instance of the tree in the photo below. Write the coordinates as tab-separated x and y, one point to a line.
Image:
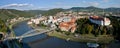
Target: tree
3	27
104	31
89	28
96	31
83	31
116	27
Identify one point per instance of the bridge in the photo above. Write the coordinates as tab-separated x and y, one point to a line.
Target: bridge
27	34
31	33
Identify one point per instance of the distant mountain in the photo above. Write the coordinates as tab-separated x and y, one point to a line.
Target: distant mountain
74	8
86	9
11	13
46	12
90	8
112	9
36	12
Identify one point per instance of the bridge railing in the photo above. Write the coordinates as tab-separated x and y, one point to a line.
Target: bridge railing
29	35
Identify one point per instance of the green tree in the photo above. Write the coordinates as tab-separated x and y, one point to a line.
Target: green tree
104	31
83	31
3	27
96	32
89	28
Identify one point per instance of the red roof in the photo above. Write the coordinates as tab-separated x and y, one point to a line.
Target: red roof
96	18
99	18
68	24
65	24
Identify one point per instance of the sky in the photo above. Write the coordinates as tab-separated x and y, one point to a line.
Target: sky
50	4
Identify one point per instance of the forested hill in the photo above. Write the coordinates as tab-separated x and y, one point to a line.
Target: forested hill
3	27
12	13
46	12
92	8
37	12
86	9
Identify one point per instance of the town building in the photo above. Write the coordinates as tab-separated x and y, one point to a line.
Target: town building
100	20
68	26
36	20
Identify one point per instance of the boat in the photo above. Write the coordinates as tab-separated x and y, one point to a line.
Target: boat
92	45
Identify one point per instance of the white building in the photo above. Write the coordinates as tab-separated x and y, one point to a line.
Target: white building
29	22
36	20
100	20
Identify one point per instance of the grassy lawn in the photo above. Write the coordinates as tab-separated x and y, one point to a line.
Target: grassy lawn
83	38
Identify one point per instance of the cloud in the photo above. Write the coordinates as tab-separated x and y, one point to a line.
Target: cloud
93	4
16	5
105	0
90	3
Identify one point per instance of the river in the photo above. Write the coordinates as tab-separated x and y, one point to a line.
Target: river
44	41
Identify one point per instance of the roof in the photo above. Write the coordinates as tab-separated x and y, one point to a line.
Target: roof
96	18
65	24
99	18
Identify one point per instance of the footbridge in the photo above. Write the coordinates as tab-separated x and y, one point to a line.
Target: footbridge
31	33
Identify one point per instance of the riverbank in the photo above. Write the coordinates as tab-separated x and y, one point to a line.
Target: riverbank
12	34
12	25
103	39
